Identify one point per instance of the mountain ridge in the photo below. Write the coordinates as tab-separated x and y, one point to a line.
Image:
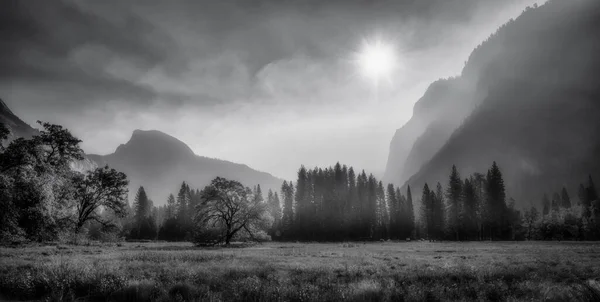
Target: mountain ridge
161	162
536	107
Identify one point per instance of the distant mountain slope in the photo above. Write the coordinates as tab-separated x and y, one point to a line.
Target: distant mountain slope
160	163
435	116
539	111
17	127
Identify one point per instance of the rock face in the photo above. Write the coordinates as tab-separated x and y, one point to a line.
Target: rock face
160	163
528	98
17	127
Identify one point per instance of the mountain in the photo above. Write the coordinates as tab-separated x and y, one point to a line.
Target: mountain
440	110
528	98
17	127
160	163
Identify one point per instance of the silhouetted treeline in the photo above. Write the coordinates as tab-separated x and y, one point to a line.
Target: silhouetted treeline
336	204
471	209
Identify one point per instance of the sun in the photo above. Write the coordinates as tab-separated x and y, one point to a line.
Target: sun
377	60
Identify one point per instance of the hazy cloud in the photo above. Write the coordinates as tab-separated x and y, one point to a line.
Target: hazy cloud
248	81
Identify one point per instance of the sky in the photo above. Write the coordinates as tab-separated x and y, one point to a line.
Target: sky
271	84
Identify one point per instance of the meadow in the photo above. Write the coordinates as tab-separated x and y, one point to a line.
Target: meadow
381	271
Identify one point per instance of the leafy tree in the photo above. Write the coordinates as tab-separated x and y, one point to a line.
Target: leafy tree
37	182
101	187
227	209
530	219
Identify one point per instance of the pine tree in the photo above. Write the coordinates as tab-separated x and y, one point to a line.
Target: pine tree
565	199
145	223
382	213
183	214
582	195
287	193
555	202
454	193
258	195
469	217
371	205
141	204
353	200
401	215
410	213
426	213
496	196
592	194
275	211
439	212
393	210
545	205
301	204
171	207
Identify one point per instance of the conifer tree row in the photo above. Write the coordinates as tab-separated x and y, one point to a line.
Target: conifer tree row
336	204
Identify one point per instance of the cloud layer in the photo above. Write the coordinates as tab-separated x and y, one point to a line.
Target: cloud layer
266	83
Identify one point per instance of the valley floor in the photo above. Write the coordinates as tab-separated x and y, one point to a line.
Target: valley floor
409	271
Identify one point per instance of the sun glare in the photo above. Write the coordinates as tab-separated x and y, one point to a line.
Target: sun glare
377	60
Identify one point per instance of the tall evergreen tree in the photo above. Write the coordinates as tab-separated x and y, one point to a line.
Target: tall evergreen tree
287	193
275	211
582	195
592	194
141	205
258	195
184	214
384	218
496	197
545	205
145	223
469	217
393	210
454	193
171	207
427	213
410	213
565	199
556	201
439	213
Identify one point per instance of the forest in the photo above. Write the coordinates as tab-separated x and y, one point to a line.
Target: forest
44	199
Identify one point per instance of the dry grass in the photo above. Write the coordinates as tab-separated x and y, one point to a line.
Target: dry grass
414	271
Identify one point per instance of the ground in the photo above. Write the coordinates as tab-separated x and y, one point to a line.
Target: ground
382	271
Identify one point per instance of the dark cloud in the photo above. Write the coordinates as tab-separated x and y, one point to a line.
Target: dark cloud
217	72
39	40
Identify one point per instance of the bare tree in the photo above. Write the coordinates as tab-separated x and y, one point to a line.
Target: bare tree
229	209
102	187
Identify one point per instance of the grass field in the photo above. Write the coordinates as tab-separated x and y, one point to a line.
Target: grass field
406	271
